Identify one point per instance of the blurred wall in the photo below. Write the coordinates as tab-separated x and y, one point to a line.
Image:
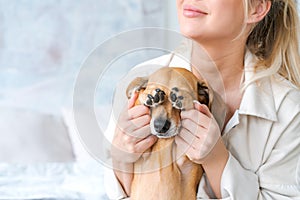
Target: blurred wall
43	43
42	46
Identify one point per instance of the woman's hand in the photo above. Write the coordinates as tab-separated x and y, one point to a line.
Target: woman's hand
132	135
199	134
200	139
132	138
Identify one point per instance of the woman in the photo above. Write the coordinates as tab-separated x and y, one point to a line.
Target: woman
254	45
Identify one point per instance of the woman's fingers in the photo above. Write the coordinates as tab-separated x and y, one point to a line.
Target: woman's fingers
128	126
192	127
141	133
137	111
128	147
199	133
132	99
187	136
145	143
132	135
202	108
200	115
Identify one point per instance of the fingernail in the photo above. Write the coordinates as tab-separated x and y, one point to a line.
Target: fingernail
134	92
153	138
197	102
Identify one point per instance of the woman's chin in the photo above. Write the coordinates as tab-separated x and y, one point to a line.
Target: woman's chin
190	32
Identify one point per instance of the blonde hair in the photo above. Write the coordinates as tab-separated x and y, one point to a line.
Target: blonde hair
275	41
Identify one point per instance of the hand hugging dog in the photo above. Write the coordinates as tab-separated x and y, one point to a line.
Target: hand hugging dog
168	169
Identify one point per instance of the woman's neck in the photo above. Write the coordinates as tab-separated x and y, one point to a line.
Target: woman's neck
222	67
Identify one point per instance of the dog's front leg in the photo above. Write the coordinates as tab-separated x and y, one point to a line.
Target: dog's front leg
191	174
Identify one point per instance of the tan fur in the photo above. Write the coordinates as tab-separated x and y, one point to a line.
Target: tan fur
166	183
158	173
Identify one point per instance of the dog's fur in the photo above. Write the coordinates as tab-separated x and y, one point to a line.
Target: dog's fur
158	173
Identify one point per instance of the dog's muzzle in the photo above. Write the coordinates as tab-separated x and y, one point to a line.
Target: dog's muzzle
164	128
161	125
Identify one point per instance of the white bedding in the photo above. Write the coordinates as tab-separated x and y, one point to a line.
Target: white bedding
37	159
52	181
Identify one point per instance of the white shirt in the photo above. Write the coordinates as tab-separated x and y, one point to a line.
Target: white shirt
263	138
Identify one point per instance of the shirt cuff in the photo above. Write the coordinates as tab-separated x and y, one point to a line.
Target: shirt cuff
237	181
113	188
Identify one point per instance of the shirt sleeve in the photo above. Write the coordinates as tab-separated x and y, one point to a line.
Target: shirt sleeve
277	178
113	189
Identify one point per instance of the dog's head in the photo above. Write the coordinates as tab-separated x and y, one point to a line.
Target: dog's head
167	92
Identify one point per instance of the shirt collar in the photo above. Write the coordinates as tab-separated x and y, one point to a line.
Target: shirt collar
258	98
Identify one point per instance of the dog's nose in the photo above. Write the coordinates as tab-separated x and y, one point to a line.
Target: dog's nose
161	125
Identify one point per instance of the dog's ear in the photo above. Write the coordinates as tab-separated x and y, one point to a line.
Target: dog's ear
207	96
203	90
137	84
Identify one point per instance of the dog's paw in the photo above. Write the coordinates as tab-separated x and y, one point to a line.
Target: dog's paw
156	99
180	99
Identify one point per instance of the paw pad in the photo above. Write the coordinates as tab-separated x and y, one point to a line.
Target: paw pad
156	99
176	99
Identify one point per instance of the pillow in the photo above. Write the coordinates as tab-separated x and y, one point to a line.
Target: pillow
29	136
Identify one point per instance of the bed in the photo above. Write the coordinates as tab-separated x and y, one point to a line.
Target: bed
38	160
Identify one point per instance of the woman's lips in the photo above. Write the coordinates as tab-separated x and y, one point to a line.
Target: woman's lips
191	11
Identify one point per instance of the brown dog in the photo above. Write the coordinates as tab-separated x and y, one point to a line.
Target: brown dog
158	173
